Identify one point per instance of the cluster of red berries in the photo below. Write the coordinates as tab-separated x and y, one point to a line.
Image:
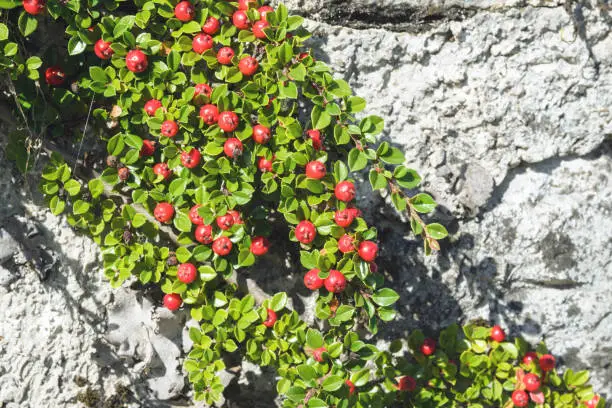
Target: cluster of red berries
204	234
306	232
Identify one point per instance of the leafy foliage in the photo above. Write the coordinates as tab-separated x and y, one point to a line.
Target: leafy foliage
174	192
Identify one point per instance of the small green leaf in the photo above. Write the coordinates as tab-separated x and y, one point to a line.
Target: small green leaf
423	203
278	301
436	231
333	383
27	24
306	372
385	297
314	339
357	160
377	180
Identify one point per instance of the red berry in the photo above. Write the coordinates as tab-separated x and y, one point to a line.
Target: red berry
103	49
317	140
211	25
240	19
186	273
312	280
191	159
169	128
248	66
222	246
532	382
236	217
406	383
260	246
345	244
529	357
315	170
350	386
184	11
148	148
263	11
34	7
258	28
172	301
162	169
344	218
547	362
232	147
593	402
261	134
498	334
201	43
368	251
264	165
55	76
225	55
202	89
303	55
305	232
194	216
163	212
317	354
520	398
345	191
152	106
271	319
123	173
228	121
244	4
373	267
136	61
209	114
225	222
356	212
203	234
428	347
335	282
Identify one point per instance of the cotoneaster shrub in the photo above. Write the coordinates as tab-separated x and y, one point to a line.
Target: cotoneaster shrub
216	120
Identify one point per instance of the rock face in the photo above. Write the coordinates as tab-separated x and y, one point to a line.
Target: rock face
503	106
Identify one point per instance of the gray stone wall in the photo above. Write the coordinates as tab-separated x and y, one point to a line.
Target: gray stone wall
505	109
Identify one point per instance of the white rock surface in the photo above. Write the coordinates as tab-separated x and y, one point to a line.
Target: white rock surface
503	107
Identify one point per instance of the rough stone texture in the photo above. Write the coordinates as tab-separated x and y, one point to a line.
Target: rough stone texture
504	108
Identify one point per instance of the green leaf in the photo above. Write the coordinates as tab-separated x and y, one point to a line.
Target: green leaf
377	180
436	231
220	317
423	203
124	24
298	72
96	187
56	205
27	24
80	207
406	177
306	372
4	32
278	301
333	383
355	104
320	119
76	45
385	297
10	4
207	273
393	156
314	339
357	160
98	74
